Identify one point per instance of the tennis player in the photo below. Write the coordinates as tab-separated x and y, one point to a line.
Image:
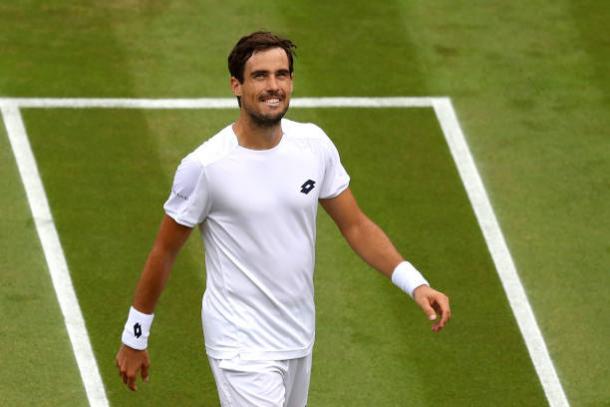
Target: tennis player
253	191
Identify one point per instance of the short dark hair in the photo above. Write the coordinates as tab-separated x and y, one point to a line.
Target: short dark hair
257	41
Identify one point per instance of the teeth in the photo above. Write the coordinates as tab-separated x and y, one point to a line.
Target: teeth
272	101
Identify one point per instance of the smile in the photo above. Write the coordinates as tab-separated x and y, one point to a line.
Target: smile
272	102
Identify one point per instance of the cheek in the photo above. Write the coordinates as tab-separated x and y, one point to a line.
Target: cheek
253	91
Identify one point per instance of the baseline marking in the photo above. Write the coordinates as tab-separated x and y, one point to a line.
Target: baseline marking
53	252
460	152
212	103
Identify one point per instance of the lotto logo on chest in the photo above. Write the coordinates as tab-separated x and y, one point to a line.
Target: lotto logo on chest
308	186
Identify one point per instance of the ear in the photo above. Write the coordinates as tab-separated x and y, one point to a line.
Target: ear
235	86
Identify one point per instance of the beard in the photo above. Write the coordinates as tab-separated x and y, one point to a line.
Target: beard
265	120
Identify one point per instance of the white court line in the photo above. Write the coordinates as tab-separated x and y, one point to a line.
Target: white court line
212	103
499	252
54	255
461	154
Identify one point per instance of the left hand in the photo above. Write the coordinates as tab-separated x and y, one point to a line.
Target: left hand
433	303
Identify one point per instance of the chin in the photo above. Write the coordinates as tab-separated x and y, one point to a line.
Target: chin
267	120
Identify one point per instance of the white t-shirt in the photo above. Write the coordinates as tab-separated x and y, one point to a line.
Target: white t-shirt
257	213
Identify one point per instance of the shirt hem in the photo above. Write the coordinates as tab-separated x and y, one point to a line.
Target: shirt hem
337	192
259	354
179	220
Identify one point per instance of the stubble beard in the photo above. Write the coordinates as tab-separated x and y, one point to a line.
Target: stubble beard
263	120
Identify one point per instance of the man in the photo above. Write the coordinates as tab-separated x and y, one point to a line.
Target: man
253	190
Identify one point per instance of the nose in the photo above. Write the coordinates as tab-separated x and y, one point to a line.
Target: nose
272	83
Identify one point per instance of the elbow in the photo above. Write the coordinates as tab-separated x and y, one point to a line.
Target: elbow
356	229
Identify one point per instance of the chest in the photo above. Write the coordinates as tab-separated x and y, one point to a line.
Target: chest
264	185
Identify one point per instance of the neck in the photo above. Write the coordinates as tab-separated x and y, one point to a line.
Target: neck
254	136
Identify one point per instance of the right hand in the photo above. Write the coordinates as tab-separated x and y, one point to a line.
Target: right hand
129	361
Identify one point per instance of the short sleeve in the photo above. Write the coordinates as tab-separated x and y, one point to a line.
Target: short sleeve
189	202
336	179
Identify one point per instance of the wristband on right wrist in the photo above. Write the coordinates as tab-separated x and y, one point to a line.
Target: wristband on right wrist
407	278
137	329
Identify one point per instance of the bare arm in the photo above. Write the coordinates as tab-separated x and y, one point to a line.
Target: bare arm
170	239
363	235
374	247
158	266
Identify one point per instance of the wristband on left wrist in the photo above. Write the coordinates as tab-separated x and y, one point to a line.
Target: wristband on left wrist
407	278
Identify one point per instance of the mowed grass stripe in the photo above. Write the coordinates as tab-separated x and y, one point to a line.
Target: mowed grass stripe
38	366
500	254
53	252
111	170
530	81
405	179
106	186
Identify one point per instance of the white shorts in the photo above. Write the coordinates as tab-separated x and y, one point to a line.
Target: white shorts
268	383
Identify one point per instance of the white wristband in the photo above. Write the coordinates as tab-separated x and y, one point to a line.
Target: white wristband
407	278
137	329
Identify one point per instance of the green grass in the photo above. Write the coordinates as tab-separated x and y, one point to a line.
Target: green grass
530	82
33	339
107	184
107	173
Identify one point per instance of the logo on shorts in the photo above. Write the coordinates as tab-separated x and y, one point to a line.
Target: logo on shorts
308	186
137	330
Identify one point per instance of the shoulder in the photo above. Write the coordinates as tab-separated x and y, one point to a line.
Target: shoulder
192	167
308	132
214	149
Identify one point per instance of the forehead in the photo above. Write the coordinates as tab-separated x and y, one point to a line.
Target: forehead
271	59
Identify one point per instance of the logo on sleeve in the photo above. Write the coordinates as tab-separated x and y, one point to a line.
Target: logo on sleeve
179	195
308	186
137	330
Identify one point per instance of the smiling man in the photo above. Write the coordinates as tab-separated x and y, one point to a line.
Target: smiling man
253	191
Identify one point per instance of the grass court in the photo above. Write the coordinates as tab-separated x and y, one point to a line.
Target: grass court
529	82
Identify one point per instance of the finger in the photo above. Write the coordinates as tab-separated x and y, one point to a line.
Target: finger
445	316
445	311
438	326
428	310
131	382
144	372
440	310
442	307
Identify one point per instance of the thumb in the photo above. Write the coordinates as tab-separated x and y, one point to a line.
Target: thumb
428	310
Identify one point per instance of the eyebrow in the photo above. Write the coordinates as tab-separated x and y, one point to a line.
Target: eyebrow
260	71
265	71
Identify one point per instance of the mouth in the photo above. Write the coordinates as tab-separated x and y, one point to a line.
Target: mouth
272	102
